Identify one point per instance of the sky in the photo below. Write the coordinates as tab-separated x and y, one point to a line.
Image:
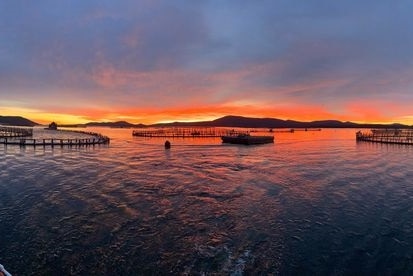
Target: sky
149	61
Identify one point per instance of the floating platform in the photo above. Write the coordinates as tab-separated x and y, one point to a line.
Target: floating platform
387	136
247	139
187	132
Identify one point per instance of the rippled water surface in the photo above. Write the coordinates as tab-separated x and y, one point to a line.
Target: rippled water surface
314	202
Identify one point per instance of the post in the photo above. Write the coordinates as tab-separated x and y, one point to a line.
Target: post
167	144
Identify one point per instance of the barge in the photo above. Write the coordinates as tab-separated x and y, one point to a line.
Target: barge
246	139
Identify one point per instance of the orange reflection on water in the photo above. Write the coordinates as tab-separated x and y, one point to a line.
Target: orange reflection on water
301	162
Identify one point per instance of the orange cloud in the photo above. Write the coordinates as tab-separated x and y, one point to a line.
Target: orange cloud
356	111
177	95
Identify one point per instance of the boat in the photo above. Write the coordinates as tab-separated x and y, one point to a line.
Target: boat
52	126
246	139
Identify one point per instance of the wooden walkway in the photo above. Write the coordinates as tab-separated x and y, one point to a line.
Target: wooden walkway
9	132
188	132
387	136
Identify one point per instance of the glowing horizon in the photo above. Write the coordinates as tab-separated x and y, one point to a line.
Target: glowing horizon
171	116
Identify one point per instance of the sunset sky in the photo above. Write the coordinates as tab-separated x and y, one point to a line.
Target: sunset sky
151	61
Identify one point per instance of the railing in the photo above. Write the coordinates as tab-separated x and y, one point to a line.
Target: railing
95	139
187	132
6	131
388	136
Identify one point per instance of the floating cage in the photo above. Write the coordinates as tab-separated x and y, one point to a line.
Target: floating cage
19	136
188	132
388	136
9	132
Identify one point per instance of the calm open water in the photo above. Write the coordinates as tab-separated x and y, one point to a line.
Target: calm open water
315	202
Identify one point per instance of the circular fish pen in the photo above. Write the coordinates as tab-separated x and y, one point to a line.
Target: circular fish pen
11	132
387	136
24	137
187	132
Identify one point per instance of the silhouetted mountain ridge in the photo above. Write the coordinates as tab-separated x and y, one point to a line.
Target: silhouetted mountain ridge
240	121
16	121
118	124
226	121
249	122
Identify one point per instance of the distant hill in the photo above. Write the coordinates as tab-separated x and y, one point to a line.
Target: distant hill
248	122
226	121
119	124
239	121
16	121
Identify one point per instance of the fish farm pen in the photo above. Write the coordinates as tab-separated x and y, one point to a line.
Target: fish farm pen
387	136
10	136
188	132
292	130
6	132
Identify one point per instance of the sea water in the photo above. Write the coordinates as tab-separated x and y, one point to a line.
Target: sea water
314	202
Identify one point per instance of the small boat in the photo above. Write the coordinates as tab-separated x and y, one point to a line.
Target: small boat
52	126
246	139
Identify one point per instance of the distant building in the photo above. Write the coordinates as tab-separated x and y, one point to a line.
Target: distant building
53	126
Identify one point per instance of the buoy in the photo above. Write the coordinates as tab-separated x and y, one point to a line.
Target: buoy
167	144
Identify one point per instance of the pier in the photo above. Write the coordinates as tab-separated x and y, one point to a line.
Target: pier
188	132
9	132
387	136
